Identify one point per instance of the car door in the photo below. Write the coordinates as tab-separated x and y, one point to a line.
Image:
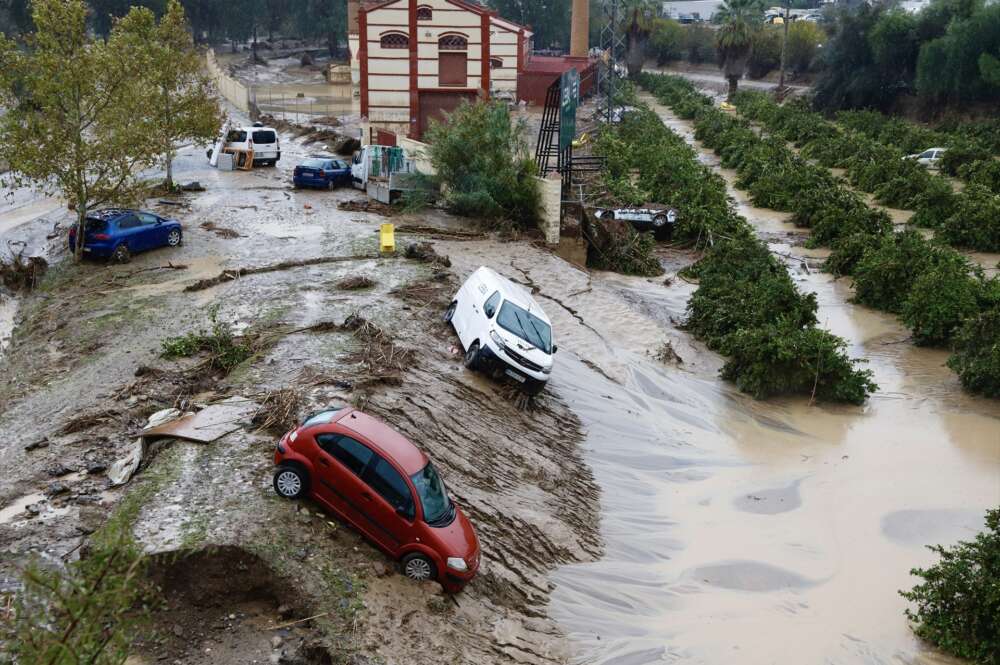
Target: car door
130	232
389	502
341	462
153	230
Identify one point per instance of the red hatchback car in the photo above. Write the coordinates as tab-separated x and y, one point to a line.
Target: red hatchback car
383	485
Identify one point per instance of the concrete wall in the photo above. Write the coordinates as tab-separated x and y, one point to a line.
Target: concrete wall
418	152
230	88
551	207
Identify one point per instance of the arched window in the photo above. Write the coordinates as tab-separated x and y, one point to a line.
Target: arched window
496	63
395	40
424	13
453	43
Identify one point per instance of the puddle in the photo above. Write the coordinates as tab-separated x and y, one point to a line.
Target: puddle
703	572
15	512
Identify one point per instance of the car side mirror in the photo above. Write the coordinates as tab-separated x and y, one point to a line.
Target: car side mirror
554	348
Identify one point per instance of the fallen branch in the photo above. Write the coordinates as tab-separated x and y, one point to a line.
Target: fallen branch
297	621
236	273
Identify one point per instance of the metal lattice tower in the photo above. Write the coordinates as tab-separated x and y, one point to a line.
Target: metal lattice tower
613	51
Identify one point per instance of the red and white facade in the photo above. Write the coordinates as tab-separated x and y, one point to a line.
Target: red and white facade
417	59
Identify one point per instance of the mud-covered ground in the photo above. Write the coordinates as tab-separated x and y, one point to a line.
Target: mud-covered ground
83	372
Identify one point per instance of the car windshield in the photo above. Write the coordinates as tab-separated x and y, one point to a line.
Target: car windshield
525	325
321	418
432	494
314	163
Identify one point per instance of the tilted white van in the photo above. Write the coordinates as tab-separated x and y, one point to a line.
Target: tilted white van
503	330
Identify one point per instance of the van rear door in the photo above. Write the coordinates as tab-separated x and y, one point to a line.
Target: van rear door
265	143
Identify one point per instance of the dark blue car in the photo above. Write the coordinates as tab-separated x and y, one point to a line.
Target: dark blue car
322	171
117	233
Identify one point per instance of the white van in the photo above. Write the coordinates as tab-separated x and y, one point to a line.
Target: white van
262	140
503	330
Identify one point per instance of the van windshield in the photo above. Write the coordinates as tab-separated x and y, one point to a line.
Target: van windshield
527	326
438	508
264	137
236	136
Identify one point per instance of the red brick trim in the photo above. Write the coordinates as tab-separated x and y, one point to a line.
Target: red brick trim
363	58
414	95
484	79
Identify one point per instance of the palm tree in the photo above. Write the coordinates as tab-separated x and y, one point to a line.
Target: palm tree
739	19
638	14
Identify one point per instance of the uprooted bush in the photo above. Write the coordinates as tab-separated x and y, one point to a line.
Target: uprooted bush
847	252
958	602
19	273
481	157
786	360
223	347
976	353
887	270
615	245
975	222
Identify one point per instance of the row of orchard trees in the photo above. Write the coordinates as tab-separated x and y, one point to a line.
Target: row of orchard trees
85	116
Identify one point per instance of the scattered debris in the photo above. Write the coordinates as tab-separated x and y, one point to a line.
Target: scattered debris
87	421
36	445
194	186
667	355
433	292
355	282
220	231
439	234
424	251
367	205
211	423
383	360
18	273
279	411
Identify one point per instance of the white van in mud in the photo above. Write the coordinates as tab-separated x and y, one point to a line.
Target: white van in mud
503	330
262	140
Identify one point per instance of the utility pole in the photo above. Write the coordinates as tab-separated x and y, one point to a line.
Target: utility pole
784	47
613	48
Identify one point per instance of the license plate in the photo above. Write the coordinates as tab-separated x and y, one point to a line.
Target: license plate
514	375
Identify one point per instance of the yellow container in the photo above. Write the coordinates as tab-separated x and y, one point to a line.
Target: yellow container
387	239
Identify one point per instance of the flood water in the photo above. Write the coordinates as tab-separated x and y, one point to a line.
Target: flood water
770	532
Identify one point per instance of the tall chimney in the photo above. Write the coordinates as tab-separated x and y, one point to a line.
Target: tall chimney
579	40
352	16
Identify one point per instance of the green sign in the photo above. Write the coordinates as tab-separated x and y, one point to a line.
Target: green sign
569	98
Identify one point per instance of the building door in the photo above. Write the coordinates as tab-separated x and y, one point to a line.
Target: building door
433	105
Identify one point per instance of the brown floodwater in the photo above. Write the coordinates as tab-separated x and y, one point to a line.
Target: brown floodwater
766	532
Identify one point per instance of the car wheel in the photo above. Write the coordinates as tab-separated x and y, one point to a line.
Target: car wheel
174	238
660	221
290	482
121	254
418	567
449	313
472	356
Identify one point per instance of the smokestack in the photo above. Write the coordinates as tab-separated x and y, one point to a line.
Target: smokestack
580	35
352	16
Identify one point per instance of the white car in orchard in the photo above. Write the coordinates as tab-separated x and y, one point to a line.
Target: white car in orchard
931	158
503	330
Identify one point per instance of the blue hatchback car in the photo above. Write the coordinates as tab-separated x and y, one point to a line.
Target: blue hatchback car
322	171
118	233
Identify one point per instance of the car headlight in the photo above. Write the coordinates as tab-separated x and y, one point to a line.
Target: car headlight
294	435
495	336
457	563
672	216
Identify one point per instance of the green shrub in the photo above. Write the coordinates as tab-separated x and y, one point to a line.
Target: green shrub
934	205
224	349
975	222
666	41
941	299
766	54
885	273
958	602
963	152
976	353
834	212
699	43
984	172
481	157
629	253
780	360
847	252
804	40
742	285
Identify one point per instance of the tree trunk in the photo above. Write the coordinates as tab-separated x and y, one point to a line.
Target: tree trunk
169	182
733	82
784	48
81	223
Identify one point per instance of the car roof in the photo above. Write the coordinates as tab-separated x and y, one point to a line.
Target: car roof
320	157
510	291
109	214
390	443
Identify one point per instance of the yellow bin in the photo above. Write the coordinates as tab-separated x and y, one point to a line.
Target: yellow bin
387	238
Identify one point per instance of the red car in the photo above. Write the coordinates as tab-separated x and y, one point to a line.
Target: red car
383	485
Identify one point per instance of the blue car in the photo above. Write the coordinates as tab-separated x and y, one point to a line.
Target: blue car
322	171
118	233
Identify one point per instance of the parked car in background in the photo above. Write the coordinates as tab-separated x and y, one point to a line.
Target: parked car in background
930	158
322	171
375	479
263	141
651	217
118	233
503	330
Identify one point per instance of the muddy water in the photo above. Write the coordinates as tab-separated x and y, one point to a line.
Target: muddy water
777	532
